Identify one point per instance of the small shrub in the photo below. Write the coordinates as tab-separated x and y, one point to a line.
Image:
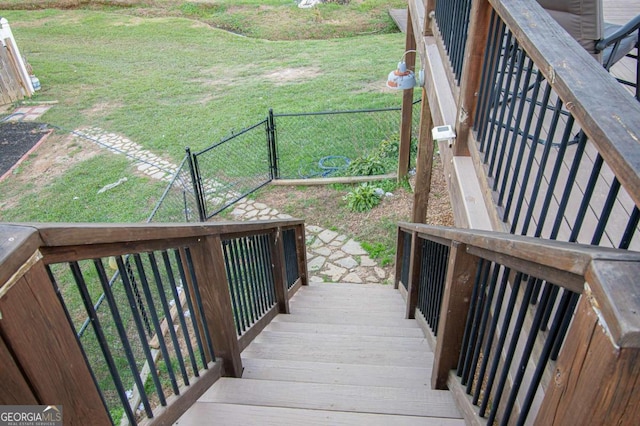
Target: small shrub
369	165
362	199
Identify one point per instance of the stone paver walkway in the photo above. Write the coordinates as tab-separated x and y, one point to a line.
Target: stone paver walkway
331	257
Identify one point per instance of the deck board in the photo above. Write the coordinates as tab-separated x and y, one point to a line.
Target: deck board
334	360
243	415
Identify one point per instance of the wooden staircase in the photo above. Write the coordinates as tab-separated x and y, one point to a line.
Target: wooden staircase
345	355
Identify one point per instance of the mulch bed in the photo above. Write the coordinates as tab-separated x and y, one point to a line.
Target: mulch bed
16	140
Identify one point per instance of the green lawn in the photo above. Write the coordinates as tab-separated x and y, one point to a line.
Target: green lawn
170	82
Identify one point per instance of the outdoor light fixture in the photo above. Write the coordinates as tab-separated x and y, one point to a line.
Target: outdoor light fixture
403	78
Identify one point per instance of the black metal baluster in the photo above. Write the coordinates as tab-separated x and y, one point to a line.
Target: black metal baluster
523	144
526	354
533	198
508	359
102	340
462	360
198	297
167	316
178	305
154	318
192	312
508	315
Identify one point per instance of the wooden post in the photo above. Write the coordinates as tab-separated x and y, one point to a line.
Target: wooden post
279	271
404	150
399	257
596	378
453	315
301	250
208	260
424	163
429	6
479	17
415	262
35	329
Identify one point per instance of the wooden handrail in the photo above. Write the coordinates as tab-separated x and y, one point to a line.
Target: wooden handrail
607	320
604	109
27	249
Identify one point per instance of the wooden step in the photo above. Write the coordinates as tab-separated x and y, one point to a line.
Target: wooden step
333	354
244	415
317	396
353	318
358	330
344	356
337	374
342	342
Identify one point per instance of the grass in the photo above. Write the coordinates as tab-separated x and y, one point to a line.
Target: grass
168	82
268	19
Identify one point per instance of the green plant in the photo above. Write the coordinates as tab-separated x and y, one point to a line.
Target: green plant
363	198
380	251
369	165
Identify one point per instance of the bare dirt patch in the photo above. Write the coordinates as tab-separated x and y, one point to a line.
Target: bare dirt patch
54	156
292	75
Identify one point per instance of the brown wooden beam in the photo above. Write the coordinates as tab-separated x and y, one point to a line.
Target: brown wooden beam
415	262
595	382
404	151
208	260
279	272
453	314
479	17
424	163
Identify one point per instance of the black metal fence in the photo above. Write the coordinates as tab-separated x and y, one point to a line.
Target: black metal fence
178	202
338	143
549	180
233	168
452	17
283	146
149	339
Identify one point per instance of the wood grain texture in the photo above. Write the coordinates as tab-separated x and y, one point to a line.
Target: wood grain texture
453	315
380	400
243	415
406	117
15	388
276	246
424	163
17	245
178	404
336	373
47	349
564	256
614	286
595	382
361	330
470	76
415	268
70	234
208	259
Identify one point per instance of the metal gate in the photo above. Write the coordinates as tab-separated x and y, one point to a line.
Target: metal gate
234	168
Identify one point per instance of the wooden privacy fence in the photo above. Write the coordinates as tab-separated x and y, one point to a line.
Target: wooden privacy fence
179	305
526	330
15	80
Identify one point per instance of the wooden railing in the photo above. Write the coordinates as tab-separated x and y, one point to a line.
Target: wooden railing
551	136
527	330
178	303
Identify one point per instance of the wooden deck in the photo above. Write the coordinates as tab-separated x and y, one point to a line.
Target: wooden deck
345	355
